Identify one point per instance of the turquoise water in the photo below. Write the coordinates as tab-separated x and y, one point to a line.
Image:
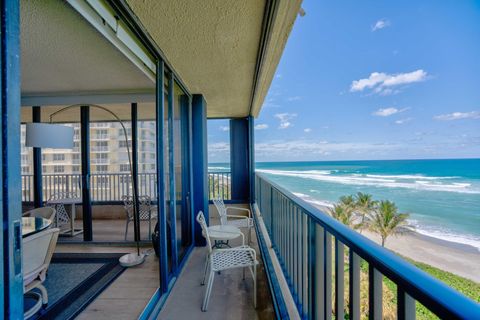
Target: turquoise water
442	196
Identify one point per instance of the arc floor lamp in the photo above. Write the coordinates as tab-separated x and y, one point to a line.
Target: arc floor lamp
50	135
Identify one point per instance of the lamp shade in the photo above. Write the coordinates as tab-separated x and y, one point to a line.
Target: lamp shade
46	135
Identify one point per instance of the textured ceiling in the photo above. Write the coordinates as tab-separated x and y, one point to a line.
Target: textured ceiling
212	45
62	53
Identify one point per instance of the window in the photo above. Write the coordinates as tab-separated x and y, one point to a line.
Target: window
102	156
124	168
75	169
102	143
25	170
58	169
44	157
102	168
58	157
123	144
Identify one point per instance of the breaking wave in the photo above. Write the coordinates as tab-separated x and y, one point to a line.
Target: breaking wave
417	182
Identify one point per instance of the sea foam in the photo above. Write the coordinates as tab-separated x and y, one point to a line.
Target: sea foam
417	182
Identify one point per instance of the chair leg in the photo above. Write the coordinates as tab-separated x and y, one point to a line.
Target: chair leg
205	270
43	290
208	290
249	235
149	228
126	229
255	286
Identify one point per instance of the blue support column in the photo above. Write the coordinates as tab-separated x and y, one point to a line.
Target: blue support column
200	163
251	157
11	278
86	201
162	217
37	165
241	159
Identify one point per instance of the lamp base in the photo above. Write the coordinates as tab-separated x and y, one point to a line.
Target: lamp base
131	259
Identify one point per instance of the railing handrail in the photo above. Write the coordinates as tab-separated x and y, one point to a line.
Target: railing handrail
432	293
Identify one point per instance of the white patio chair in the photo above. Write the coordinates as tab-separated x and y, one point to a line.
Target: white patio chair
44	212
37	252
61	216
234	220
146	212
224	259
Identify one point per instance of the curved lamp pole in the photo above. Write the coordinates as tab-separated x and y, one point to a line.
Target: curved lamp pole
128	259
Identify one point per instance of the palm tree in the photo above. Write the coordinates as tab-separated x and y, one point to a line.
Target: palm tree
344	214
386	220
348	201
364	204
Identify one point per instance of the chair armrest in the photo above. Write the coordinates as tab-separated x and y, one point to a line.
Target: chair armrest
237	217
240	209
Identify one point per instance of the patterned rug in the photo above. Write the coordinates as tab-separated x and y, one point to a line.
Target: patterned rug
74	280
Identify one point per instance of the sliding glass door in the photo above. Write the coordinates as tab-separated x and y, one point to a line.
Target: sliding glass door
181	135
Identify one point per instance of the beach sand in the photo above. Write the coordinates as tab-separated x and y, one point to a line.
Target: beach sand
460	259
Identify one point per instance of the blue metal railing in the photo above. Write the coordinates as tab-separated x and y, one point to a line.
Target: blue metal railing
303	237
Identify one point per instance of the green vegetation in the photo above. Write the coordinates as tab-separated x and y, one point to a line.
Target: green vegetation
386	221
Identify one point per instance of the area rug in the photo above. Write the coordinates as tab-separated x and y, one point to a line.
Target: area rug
74	280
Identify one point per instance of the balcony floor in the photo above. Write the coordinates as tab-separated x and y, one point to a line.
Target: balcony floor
232	297
127	296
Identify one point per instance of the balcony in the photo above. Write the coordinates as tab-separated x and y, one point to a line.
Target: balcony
320	258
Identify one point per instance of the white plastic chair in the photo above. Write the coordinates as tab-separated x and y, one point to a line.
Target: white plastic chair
61	216
146	211
234	220
44	212
37	253
224	259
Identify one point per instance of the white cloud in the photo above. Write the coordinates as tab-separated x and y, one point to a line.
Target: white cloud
307	130
285	119
403	121
224	128
294	98
380	24
458	115
382	83
301	148
261	126
386	112
218	147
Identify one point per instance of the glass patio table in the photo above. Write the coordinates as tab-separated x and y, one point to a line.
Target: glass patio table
32	225
222	234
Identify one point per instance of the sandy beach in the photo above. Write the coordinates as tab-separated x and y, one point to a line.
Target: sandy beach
460	259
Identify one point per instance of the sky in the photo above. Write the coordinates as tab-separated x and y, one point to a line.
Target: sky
372	80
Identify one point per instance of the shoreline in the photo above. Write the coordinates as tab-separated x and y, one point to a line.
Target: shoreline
460	259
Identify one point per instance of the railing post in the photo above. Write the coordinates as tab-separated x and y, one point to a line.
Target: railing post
406	305
319	273
328	274
374	293
354	292
339	280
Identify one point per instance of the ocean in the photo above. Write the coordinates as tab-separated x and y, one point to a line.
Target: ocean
441	196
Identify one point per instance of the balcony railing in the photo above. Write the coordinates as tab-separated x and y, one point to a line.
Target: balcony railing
110	187
219	185
304	237
104	187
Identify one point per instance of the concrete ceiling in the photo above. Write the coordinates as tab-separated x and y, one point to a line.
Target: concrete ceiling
61	53
214	47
